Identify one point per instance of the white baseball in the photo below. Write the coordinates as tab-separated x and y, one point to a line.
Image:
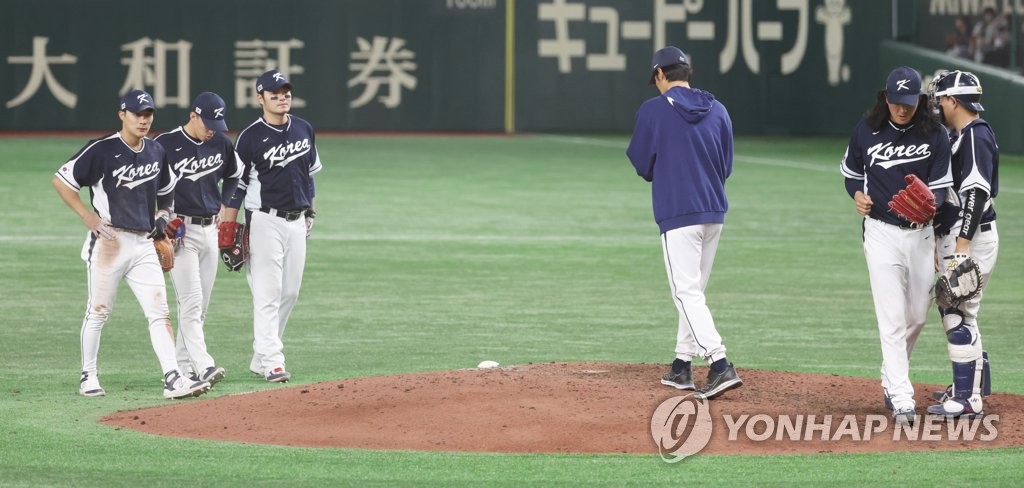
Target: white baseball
487	364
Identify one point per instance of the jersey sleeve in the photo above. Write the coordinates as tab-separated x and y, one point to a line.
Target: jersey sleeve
167	177
244	169
85	168
315	166
940	173
979	153
852	164
232	166
232	174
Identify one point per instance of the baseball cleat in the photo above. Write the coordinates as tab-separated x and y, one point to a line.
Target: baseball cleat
278	375
682	380
212	375
956	408
888	402
719	383
904	416
176	387
942	396
89	385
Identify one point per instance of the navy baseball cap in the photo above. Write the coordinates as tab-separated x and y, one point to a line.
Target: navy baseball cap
903	86
211	107
272	80
137	101
666	56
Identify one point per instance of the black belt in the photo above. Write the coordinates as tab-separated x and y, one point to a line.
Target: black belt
288	215
204	221
914	225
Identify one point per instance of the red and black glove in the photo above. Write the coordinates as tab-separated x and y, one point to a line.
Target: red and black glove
226	233
233	241
915	203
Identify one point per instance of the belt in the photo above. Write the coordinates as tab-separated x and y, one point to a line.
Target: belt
204	221
914	225
288	215
133	231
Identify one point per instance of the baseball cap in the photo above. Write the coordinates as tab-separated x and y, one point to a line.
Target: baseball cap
211	107
137	101
272	80
903	86
667	56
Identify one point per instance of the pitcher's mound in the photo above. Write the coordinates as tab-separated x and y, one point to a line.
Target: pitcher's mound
575	407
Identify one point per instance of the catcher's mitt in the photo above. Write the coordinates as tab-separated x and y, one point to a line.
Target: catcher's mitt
164	253
233	241
915	203
961	282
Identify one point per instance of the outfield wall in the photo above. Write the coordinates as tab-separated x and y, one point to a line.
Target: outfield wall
791	67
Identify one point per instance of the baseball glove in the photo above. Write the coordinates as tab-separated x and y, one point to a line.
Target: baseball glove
233	241
915	203
164	253
160	225
175	229
961	282
226	233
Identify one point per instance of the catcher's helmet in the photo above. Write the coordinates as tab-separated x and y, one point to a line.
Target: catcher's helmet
962	85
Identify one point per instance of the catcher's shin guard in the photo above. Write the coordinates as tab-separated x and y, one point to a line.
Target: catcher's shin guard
948	393
966	400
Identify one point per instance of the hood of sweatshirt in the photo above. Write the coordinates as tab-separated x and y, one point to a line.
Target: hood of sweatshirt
690	103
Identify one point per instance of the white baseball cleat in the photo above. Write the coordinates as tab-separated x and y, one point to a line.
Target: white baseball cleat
89	385
212	375
278	375
176	386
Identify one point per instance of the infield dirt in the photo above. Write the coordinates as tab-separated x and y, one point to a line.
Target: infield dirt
557	408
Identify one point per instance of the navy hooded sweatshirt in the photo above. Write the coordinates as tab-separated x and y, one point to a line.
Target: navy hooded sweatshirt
682	144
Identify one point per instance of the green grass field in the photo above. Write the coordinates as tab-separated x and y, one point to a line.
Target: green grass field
434	253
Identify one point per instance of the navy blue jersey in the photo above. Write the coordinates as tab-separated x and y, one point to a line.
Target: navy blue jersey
976	165
123	183
279	163
882	158
199	168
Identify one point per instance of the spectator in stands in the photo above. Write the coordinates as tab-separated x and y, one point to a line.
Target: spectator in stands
960	43
992	38
1000	53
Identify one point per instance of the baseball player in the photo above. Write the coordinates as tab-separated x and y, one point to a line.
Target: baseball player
682	144
898	136
128	178
202	157
966	226
279	155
